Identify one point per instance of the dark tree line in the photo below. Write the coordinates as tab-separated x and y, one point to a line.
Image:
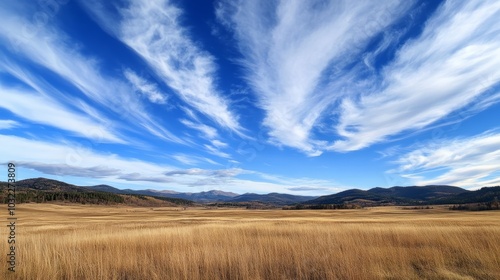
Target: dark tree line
322	206
74	197
494	205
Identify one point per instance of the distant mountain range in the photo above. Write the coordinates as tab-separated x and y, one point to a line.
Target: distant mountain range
201	197
409	196
272	198
48	185
213	195
43	190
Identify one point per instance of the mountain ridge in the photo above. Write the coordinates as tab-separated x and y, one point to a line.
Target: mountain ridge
411	195
205	196
397	195
273	198
41	190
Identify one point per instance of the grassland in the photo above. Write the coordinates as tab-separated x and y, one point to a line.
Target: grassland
98	242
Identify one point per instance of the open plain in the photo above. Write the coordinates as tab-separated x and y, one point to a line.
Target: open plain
57	241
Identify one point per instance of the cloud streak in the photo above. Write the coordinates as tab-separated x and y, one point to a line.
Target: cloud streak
432	76
44	110
468	162
207	131
8	124
67	170
73	157
192	160
148	89
154	31
232	172
313	69
52	50
210	134
292	49
140	178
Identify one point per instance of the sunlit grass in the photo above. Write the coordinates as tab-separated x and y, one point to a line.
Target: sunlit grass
91	242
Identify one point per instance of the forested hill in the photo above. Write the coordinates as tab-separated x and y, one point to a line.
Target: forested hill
41	190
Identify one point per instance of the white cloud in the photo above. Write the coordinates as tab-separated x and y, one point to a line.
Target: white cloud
69	159
138	177
232	172
53	50
192	160
148	89
207	131
306	64
289	50
219	144
43	103
44	110
186	159
244	186
8	124
216	151
449	66
153	30
68	170
210	134
467	162
42	154
305	184
70	103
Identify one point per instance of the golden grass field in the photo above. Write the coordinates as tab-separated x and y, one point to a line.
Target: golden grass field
98	242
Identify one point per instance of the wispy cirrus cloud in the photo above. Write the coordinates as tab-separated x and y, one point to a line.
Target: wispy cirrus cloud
207	131
42	109
219	144
197	171
148	89
68	170
8	124
141	178
153	29
312	68
215	150
192	159
468	162
210	134
310	185
300	189
291	50
452	64
196	177
53	50
60	157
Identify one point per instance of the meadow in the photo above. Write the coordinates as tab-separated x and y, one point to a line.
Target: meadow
102	242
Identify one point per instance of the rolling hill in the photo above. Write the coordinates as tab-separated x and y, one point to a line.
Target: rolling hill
423	193
355	196
271	198
42	190
47	190
213	196
390	196
204	197
413	195
479	196
201	197
43	184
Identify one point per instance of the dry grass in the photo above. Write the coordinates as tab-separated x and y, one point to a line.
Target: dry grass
95	242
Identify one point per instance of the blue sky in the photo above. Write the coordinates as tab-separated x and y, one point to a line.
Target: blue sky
300	97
